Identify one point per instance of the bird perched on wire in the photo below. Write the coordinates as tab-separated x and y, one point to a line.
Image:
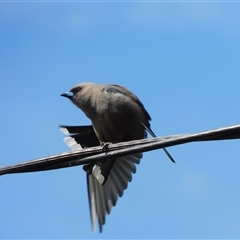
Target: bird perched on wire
117	115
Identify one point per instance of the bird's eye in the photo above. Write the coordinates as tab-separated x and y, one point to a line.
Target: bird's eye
76	89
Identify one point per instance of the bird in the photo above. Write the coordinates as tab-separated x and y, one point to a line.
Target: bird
116	115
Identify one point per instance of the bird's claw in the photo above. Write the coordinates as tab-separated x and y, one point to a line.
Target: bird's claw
105	146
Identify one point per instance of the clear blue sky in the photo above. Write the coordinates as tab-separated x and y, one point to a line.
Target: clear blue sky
181	59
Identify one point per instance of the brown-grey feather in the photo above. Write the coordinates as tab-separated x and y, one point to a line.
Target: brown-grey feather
117	115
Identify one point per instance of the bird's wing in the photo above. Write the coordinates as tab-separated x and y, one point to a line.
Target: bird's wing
83	136
125	91
102	197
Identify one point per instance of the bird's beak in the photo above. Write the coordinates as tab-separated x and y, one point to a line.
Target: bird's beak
68	95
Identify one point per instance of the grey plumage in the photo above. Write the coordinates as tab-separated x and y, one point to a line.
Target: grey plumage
116	115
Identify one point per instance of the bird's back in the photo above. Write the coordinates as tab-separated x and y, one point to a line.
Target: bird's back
119	115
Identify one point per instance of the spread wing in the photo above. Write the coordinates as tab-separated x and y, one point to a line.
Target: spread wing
102	197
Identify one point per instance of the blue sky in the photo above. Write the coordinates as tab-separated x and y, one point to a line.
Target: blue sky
181	60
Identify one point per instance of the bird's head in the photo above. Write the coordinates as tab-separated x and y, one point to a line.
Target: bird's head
81	95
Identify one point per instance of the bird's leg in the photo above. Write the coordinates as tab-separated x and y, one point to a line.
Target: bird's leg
105	146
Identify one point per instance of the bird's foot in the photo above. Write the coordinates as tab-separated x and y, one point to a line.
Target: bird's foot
105	146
